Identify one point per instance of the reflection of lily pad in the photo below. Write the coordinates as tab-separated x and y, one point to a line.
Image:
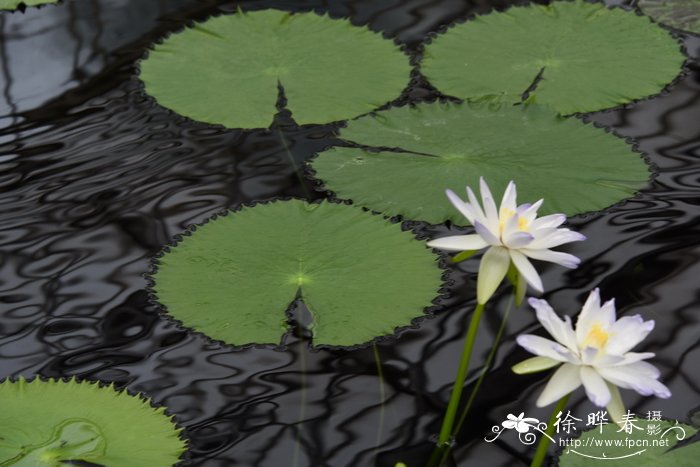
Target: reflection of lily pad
680	14
651	441
227	69
359	275
575	167
588	57
51	423
13	4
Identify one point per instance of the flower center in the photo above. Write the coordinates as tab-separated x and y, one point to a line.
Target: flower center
505	215
597	337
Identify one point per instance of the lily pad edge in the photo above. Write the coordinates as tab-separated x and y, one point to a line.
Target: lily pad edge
26	7
179	428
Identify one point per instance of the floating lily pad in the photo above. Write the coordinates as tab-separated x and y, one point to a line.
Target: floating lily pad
359	275
575	167
680	14
651	444
580	57
14	4
56	423
227	70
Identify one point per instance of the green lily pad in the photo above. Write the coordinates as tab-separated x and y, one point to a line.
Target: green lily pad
359	275
680	14
49	423
227	70
588	57
13	4
648	445
575	167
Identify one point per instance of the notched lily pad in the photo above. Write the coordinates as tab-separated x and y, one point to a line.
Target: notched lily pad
679	14
227	69
55	423
573	56
575	167
15	4
359	275
649	444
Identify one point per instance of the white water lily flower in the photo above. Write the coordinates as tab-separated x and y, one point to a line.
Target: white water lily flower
513	233
596	355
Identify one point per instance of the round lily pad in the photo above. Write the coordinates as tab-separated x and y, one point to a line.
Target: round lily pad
575	167
227	69
14	4
573	56
643	443
359	275
680	14
56	423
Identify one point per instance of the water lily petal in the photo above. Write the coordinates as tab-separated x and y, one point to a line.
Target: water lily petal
492	270
517	240
465	208
474	203
563	259
596	389
562	382
627	332
489	205
527	270
615	408
626	359
561	330
556	238
546	348
587	316
509	197
458	243
530	212
534	364
607	314
637	376
552	220
486	234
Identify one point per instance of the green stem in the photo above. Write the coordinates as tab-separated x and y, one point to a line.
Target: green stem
482	376
543	445
448	421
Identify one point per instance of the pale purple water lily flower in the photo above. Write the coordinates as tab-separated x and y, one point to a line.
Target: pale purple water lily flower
512	233
595	355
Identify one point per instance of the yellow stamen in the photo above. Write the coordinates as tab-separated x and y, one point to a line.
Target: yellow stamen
506	214
597	337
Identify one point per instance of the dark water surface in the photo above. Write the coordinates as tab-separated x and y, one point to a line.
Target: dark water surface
95	178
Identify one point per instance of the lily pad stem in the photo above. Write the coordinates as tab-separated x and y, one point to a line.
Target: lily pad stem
448	422
542	446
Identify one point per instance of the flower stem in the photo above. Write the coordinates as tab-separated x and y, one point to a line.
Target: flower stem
542	446
482	376
450	414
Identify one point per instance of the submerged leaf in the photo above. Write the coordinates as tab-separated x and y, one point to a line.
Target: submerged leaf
572	56
575	167
359	275
649	444
227	70
50	423
680	14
